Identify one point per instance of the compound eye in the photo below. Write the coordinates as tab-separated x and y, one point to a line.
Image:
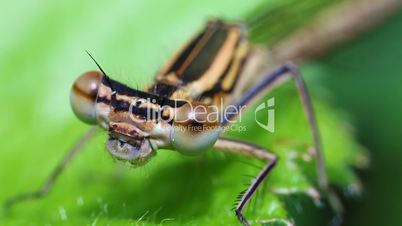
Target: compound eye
195	128
83	96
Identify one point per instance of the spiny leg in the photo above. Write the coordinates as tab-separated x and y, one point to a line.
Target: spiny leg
239	147
274	79
55	173
271	81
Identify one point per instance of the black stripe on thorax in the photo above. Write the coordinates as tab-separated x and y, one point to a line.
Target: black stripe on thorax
162	89
211	40
218	86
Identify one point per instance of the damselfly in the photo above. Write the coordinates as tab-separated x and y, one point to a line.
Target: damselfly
186	109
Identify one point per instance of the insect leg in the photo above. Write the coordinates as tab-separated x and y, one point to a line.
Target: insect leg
44	190
239	147
274	79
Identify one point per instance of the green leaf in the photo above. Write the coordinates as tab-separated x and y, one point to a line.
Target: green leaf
43	52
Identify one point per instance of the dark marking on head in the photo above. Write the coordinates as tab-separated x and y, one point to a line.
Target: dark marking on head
122	89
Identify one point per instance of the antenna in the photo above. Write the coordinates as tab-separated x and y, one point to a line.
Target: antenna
96	63
113	96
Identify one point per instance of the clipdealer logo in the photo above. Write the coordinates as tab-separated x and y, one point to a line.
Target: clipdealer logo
231	114
267	106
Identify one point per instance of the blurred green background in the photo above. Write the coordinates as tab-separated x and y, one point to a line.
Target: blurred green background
42	51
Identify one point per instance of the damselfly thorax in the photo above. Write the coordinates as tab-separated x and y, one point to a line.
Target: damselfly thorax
197	82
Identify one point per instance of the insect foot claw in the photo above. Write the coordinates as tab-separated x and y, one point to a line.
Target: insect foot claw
241	218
